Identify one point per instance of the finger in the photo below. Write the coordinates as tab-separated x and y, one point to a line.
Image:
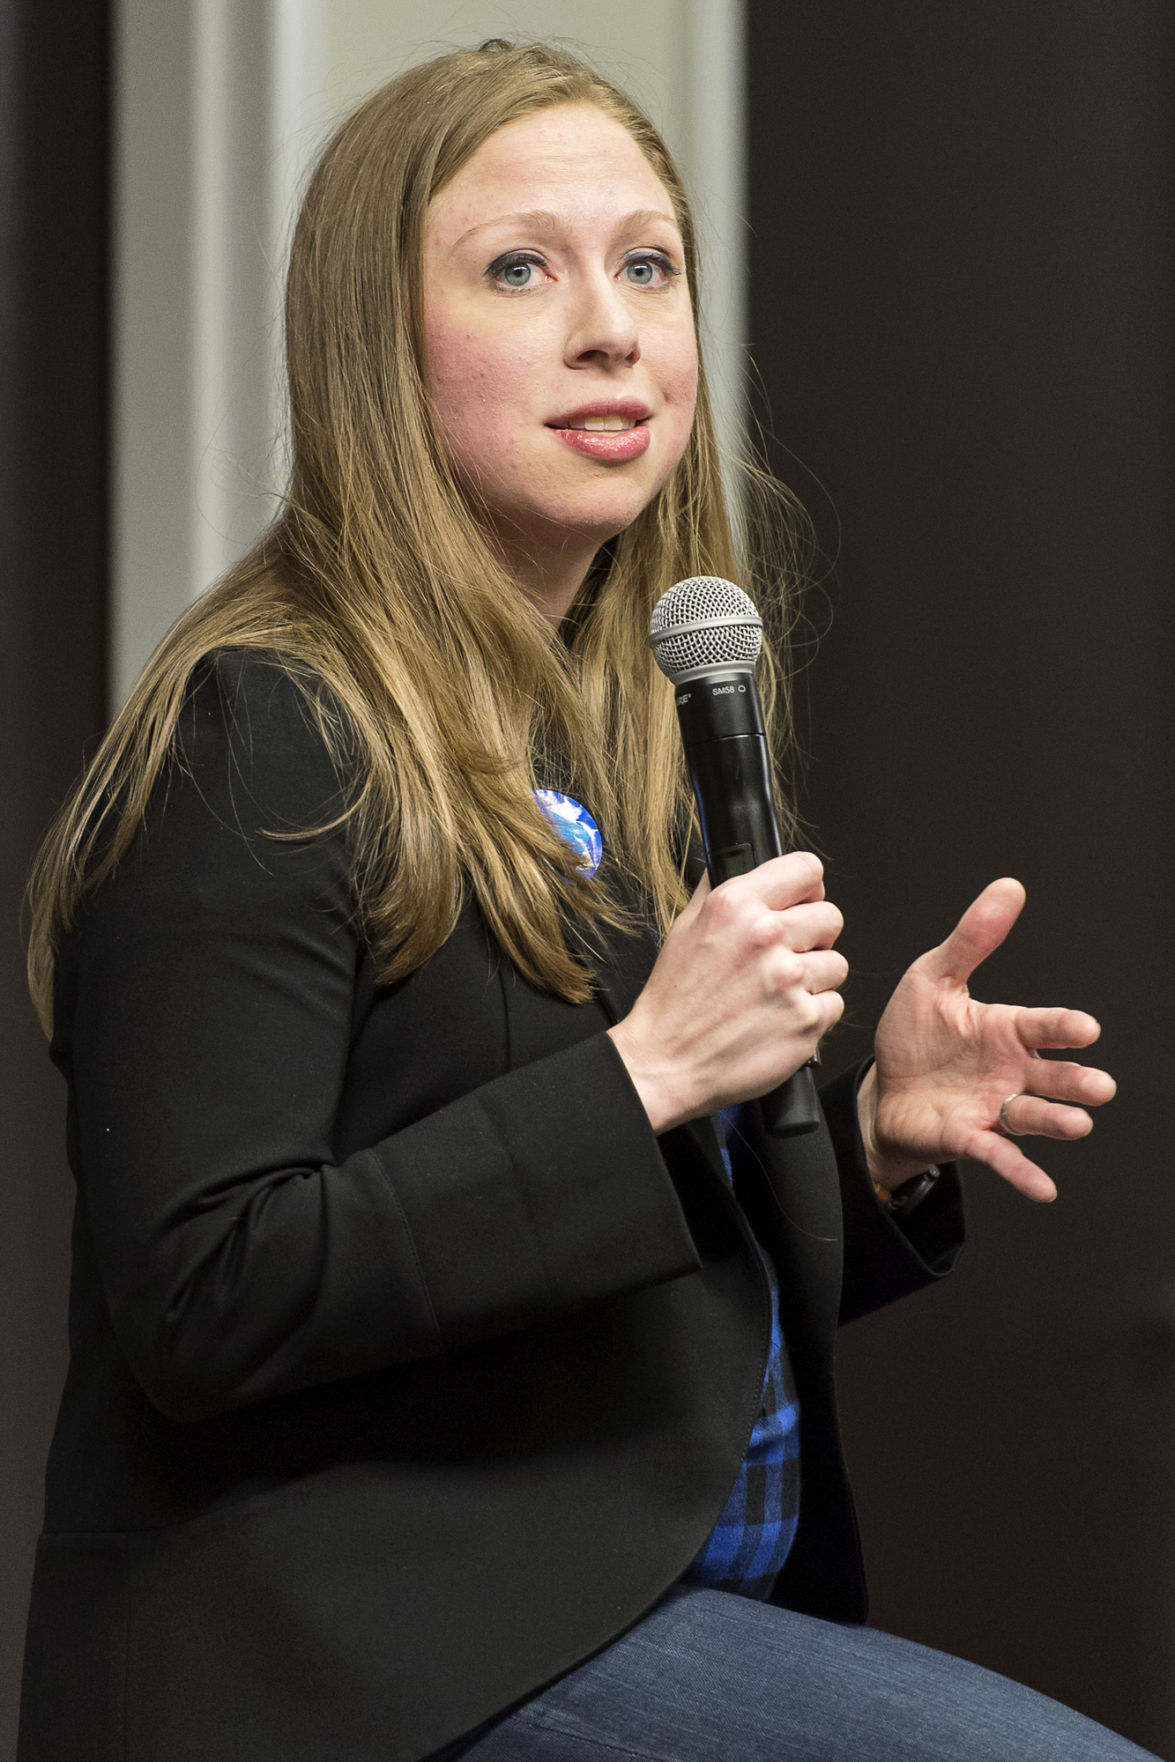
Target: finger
803	927
979	932
824	970
1039	1028
1012	1166
785	976
782	881
1058	1080
1032	1116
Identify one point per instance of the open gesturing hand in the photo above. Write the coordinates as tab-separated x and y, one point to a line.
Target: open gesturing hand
945	1064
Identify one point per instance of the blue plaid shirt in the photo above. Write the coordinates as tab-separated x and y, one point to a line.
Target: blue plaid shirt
750	1542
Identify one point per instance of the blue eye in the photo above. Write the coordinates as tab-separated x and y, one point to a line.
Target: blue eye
514	270
649	270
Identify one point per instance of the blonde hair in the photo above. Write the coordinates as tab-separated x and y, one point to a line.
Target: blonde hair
378	591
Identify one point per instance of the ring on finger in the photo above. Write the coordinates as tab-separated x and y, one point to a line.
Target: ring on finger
1005	1128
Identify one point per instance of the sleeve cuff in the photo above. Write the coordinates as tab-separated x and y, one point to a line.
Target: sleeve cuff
886	1254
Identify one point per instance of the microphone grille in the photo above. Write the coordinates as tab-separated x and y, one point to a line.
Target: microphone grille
704	622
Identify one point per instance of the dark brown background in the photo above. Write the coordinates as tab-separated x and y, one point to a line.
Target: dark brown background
962	298
53	543
962	313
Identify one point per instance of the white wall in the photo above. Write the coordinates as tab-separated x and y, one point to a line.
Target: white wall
220	107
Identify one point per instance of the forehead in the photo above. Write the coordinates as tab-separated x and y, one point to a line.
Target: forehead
569	158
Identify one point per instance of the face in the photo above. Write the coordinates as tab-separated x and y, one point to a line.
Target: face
559	337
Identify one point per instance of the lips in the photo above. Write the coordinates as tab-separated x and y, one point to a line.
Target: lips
610	431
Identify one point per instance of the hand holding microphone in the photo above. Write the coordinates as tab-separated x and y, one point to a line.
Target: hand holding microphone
746	983
743	989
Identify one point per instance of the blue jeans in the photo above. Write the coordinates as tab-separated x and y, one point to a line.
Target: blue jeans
712	1677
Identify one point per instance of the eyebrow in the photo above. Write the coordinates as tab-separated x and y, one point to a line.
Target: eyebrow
542	220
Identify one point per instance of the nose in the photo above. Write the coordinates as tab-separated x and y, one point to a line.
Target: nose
603	330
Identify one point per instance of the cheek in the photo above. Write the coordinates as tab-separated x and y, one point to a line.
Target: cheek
476	387
463	390
683	373
679	385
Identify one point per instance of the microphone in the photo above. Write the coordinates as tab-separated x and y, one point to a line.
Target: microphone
705	636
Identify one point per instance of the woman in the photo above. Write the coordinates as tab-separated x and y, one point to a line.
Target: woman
418	1333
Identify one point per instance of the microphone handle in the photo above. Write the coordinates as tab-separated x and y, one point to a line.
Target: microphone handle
726	755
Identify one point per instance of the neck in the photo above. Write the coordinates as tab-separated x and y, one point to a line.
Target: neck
550	580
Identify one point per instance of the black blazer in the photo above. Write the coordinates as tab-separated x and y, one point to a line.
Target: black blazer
408	1368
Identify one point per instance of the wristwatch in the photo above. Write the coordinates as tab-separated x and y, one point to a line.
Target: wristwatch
903	1199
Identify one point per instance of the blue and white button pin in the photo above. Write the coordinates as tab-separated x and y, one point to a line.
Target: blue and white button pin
572	822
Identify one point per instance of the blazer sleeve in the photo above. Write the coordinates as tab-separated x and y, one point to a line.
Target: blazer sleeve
205	1000
886	1256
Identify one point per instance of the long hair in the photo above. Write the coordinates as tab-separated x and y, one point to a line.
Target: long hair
379	592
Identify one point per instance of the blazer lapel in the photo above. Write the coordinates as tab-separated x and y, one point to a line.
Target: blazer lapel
623	972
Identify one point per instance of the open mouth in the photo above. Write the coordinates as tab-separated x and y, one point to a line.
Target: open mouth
601	424
603	416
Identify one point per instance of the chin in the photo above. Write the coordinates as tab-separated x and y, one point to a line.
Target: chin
603	517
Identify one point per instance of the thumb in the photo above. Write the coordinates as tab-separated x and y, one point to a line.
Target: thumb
978	933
